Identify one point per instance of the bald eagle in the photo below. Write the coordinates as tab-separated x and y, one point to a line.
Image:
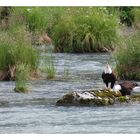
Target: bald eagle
108	77
126	87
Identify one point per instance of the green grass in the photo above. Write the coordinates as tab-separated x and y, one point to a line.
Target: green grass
66	73
127	15
73	29
136	12
22	76
15	47
85	30
128	58
48	67
51	71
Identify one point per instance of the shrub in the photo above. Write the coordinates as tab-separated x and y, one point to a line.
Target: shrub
16	48
85	30
127	15
136	12
128	58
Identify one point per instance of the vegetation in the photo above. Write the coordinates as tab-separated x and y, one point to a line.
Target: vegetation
85	30
128	58
22	75
49	67
136	12
127	15
16	48
66	73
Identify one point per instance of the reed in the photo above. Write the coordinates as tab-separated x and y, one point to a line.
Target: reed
128	58
87	29
66	73
136	12
16	48
48	67
22	76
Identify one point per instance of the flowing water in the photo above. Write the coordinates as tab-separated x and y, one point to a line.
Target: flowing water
36	112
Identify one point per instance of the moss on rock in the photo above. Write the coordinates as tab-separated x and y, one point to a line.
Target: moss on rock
96	98
66	99
123	99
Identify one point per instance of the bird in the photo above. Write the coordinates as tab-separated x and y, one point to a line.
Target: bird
126	87
108	76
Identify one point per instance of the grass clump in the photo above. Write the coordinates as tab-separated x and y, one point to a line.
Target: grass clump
16	48
22	76
128	58
66	73
126	15
85	29
136	12
49	67
50	70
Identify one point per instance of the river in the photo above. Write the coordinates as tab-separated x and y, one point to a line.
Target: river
36	112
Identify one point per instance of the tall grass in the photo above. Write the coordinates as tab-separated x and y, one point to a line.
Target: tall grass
22	76
73	29
49	67
136	12
127	15
16	47
85	30
128	58
66	73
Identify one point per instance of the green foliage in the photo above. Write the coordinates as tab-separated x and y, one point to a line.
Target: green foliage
49	67
126	15
136	12
66	73
16	48
22	75
128	58
85	29
34	18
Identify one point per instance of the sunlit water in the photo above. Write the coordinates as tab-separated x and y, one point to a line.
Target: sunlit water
36	112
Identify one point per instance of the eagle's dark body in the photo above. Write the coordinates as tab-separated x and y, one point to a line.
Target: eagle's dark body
109	78
127	87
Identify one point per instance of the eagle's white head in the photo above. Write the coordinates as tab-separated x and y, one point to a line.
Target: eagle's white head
107	69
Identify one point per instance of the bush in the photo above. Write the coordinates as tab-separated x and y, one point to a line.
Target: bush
49	67
136	12
128	58
127	15
16	48
85	30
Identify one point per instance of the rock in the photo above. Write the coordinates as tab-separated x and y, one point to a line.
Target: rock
95	98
